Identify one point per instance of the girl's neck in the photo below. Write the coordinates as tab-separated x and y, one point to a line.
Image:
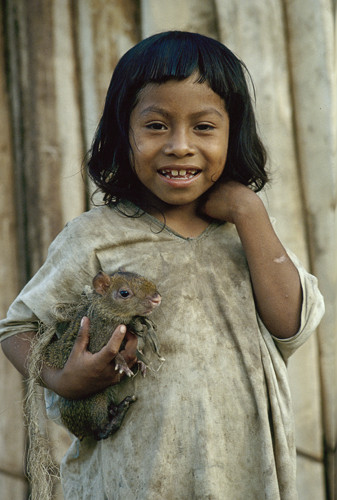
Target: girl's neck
183	219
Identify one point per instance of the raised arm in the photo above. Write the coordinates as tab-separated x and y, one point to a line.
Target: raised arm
275	279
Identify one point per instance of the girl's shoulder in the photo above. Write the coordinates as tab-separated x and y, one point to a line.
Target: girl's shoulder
102	225
84	231
92	224
103	216
97	215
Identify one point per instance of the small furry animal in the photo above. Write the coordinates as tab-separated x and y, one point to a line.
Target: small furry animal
121	298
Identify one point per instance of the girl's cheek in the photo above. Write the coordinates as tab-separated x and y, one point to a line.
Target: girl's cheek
218	175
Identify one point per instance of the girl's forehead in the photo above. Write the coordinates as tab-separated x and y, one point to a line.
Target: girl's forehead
170	93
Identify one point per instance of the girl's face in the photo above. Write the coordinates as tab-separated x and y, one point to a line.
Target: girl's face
179	139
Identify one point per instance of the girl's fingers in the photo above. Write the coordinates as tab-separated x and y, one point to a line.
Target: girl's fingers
82	339
100	364
129	353
111	349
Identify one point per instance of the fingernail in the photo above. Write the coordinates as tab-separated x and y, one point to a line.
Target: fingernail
123	329
82	321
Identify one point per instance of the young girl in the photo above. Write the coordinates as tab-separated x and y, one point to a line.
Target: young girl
178	159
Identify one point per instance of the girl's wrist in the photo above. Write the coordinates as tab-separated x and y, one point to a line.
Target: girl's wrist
248	208
232	202
51	378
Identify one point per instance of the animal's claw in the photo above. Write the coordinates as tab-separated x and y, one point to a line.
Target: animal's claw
116	416
143	367
121	366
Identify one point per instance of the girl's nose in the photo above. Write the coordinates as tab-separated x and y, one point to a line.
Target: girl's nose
179	144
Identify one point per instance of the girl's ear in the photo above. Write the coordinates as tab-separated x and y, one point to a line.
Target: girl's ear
101	283
131	157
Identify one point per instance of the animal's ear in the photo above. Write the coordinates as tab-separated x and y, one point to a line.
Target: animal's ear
101	282
121	270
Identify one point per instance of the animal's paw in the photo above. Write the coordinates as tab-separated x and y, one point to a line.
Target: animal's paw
116	416
121	366
142	367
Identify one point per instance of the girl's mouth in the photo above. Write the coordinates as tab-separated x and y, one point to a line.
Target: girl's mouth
179	174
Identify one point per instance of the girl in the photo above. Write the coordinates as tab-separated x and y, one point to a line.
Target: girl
178	159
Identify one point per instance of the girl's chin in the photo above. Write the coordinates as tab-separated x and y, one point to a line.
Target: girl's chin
177	205
164	201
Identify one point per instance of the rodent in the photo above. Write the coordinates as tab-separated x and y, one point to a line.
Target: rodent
121	298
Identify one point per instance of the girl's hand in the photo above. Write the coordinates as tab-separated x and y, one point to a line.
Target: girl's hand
85	373
227	200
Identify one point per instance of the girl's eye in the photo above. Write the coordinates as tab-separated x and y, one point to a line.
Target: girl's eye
204	126
156	126
124	293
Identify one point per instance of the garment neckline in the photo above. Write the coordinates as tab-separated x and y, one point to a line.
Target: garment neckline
139	212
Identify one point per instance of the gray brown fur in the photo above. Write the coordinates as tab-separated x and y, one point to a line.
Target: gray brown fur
100	415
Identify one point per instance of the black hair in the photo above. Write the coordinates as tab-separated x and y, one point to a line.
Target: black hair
174	55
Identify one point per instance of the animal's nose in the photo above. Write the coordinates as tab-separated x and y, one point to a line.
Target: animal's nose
155	299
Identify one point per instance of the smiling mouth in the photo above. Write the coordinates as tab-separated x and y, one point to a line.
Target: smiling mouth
179	174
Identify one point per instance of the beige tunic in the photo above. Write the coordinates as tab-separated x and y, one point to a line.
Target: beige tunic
215	422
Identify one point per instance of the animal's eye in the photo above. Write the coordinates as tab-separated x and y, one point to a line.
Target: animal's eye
124	293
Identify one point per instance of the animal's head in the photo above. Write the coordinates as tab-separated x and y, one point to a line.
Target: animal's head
127	293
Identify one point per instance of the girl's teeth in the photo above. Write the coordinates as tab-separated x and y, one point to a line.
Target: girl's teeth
179	173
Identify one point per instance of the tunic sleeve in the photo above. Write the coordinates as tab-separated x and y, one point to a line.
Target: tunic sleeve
311	313
19	319
70	265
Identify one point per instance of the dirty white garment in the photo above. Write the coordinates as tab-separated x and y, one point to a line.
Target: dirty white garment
215	422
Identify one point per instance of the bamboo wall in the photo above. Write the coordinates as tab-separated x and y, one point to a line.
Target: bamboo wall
56	59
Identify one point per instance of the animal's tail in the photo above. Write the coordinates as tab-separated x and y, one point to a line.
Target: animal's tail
40	466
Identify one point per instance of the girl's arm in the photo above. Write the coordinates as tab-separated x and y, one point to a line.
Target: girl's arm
84	373
275	279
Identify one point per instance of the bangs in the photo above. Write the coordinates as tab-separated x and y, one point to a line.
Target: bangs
176	56
170	59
